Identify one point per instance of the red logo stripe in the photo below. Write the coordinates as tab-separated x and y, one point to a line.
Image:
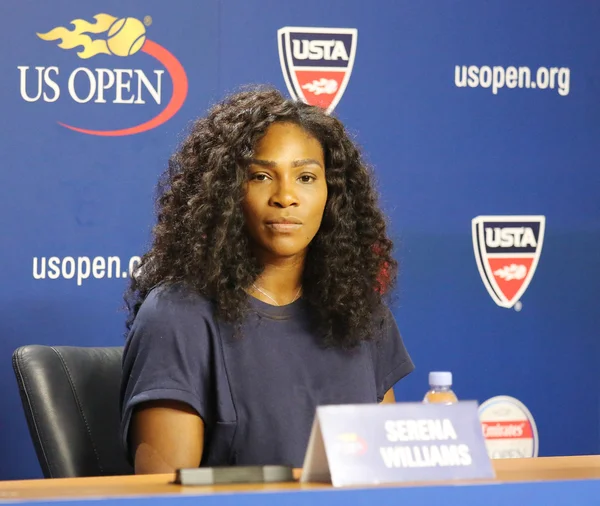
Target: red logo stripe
518	429
180	89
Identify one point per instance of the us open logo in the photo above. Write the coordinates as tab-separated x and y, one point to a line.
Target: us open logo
507	250
317	63
119	45
350	444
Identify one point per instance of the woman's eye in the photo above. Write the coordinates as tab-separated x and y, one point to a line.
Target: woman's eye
259	177
307	178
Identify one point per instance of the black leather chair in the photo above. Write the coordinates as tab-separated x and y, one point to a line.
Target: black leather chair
71	400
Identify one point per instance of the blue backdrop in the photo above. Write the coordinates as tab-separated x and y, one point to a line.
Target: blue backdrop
445	148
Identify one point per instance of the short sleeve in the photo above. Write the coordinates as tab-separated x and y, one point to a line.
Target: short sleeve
391	361
167	355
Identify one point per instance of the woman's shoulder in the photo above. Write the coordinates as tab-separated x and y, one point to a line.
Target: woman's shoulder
172	316
175	301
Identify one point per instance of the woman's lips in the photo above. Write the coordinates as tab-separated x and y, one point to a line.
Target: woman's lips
284	227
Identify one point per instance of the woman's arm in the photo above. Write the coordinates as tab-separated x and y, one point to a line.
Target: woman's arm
165	436
389	397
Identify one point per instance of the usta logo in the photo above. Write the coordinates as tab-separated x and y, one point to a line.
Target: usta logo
304	49
507	250
114	37
317	62
507	237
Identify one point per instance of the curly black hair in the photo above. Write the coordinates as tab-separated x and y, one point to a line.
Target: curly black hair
200	237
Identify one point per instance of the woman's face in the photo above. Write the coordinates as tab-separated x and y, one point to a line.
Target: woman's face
286	191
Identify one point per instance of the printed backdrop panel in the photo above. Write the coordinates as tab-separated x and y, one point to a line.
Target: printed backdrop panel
480	119
77	207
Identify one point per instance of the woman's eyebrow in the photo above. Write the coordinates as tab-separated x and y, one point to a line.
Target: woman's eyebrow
262	163
306	161
296	163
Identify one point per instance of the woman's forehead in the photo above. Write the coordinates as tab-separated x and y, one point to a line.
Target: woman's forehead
288	140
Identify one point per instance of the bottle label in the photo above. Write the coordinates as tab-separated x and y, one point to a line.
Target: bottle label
509	428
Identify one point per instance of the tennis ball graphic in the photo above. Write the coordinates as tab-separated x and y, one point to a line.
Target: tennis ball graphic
126	36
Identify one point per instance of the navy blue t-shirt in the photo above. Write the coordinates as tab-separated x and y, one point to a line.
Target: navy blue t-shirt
256	393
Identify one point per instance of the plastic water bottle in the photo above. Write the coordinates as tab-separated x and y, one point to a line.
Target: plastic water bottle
440	389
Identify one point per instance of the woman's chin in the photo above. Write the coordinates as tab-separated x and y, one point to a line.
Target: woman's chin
285	249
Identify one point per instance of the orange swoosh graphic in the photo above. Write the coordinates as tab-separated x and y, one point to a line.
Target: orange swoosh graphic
180	89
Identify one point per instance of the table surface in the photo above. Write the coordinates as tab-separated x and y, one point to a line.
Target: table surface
507	471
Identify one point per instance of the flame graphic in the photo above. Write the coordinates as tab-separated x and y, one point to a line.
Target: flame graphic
124	37
77	37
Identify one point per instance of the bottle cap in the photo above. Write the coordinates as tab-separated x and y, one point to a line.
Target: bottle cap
440	379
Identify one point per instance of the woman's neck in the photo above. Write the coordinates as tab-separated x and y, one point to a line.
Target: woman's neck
281	280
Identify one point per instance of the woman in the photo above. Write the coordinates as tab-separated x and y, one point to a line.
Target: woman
262	294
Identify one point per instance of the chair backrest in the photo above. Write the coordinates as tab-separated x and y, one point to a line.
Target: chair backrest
71	400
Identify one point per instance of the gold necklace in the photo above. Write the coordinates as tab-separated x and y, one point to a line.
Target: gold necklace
276	303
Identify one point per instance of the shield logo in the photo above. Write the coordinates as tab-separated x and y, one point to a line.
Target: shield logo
317	63
507	250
